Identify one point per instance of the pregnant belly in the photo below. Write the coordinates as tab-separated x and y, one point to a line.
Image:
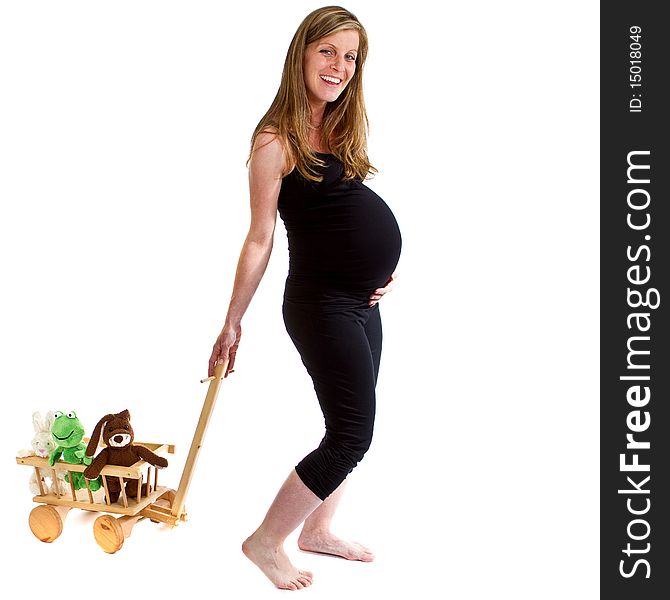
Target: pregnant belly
356	247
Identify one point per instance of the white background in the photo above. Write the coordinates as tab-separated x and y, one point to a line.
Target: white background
124	130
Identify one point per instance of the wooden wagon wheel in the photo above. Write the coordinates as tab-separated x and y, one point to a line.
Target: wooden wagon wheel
110	532
46	521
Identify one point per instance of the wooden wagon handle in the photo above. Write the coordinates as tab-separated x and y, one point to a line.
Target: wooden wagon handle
207	409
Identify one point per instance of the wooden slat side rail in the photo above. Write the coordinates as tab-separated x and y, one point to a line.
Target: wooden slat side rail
123	492
104	484
132	472
74	493
54	476
38	474
88	489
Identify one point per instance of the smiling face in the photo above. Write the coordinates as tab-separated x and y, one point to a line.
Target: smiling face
329	64
67	430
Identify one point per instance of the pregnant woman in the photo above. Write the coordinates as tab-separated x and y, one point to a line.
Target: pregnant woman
308	161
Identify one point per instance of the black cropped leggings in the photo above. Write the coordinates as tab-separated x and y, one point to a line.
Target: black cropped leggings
340	349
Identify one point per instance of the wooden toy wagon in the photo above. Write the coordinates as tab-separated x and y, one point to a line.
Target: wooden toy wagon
159	504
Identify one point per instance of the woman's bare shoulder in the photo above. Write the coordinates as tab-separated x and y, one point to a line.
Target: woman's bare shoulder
270	150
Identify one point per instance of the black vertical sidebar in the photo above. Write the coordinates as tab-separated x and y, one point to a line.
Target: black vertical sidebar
635	296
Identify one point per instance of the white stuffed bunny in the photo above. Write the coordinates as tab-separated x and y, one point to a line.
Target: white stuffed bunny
43	445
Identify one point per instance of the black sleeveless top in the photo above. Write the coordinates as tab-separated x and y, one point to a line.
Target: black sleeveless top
341	235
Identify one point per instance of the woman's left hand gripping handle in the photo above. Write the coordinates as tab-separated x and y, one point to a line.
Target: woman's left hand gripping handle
224	348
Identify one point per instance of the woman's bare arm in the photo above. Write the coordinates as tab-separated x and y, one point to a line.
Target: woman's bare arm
266	168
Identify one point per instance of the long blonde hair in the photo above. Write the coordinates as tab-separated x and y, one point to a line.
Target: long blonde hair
345	121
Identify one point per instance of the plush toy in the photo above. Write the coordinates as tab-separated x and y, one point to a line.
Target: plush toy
67	431
118	435
42	446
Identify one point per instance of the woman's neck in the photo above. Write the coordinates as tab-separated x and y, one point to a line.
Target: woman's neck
316	113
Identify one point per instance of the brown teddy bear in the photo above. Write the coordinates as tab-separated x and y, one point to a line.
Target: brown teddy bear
118	435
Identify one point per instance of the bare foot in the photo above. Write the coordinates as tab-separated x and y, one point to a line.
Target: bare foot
325	542
275	564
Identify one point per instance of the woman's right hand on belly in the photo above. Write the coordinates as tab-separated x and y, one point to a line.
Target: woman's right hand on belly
225	347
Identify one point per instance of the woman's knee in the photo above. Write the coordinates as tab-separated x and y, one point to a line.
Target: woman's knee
352	450
324	469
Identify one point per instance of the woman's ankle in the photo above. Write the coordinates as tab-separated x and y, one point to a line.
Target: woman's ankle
266	539
313	530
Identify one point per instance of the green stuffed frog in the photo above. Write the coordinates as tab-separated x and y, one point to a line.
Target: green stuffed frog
68	432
